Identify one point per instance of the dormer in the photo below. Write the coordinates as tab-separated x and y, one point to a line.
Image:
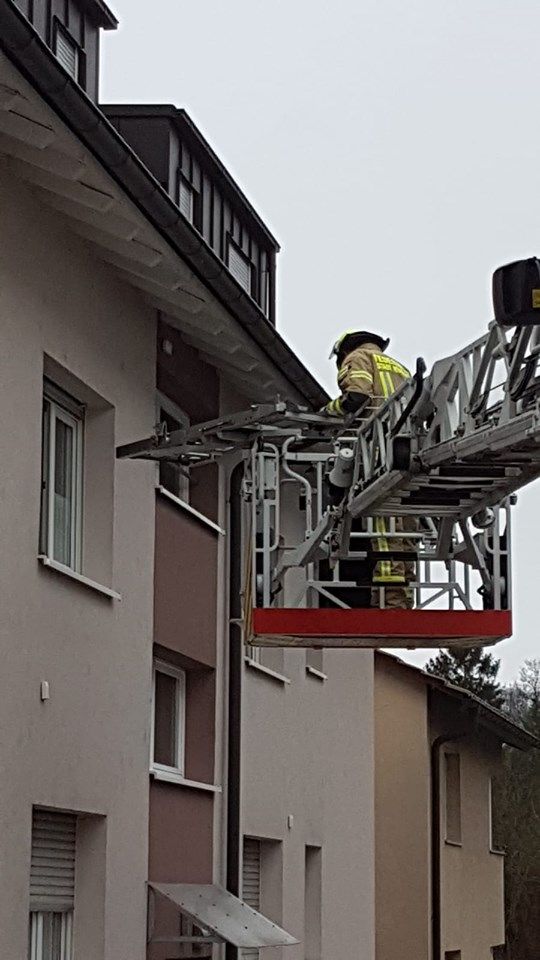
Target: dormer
175	151
71	29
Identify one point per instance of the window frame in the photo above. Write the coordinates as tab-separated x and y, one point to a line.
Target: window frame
36	925
58	405
457	840
232	245
493	847
182	180
179	675
60	28
184	183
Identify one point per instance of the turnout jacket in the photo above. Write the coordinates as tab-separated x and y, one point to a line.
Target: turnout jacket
366	371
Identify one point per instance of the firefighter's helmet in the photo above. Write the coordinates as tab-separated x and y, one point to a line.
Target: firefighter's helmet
352	339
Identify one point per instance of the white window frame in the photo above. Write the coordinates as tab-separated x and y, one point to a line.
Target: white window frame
160	666
37	919
58	411
61	31
233	248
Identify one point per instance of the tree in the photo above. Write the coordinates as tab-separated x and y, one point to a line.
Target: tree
517	820
471	668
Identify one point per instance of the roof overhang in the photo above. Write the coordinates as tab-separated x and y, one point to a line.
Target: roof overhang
101	14
188	130
487	716
55	138
224	916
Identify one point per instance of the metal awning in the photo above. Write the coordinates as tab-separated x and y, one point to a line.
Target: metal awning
228	919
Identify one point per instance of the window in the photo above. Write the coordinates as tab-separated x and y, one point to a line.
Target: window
452	955
66	51
453	797
239	266
189	930
186	199
169	713
174	477
254	653
61	509
52	885
315	661
496	844
312	903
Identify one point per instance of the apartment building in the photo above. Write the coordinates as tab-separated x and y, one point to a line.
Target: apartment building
154	760
76	602
129	317
439	870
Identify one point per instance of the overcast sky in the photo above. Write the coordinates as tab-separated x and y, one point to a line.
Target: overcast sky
394	150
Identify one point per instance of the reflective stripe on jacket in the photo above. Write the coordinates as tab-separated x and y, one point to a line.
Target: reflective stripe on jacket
366	370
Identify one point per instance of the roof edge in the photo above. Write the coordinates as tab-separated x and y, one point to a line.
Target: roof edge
103	15
179	116
507	730
30	55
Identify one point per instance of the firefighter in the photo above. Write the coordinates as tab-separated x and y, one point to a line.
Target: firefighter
366	378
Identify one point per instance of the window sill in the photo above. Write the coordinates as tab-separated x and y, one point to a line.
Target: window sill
170	776
498	853
182	505
453	843
317	674
78	577
254	665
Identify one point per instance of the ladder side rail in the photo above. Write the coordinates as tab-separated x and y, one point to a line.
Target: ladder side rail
508	550
269	461
486	351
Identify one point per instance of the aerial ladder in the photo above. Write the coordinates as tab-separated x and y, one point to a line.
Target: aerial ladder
449	449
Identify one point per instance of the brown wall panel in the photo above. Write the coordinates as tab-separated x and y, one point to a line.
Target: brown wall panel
180	834
200	715
185	378
203	490
186	584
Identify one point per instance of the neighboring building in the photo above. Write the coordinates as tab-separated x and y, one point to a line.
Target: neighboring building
438	872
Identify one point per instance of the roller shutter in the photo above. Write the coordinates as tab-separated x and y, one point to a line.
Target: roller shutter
66	52
240	267
52	871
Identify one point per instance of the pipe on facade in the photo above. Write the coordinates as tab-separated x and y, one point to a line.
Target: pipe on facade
234	719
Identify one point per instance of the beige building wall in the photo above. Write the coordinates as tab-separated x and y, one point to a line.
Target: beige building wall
472	882
307	780
86	748
402	823
408	719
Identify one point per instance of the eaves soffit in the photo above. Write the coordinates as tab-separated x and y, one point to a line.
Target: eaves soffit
39	149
